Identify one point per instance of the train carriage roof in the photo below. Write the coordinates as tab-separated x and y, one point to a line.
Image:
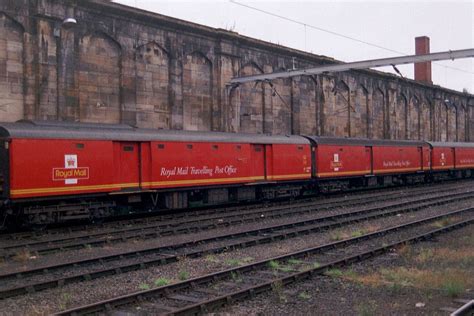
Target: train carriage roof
322	140
119	132
451	144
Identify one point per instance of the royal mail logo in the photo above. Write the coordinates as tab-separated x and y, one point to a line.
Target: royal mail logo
442	160
336	164
71	173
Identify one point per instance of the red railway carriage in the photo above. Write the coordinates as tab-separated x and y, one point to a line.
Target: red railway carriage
452	159
400	157
47	160
179	159
442	156
53	171
341	163
171	169
339	157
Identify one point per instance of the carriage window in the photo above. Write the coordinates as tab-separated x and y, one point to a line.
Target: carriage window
127	148
300	147
215	147
161	146
79	146
189	146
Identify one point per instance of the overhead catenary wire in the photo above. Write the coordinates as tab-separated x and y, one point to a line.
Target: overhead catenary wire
306	25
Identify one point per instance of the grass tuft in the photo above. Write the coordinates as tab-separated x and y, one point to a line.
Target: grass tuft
335	273
144	286
294	261
183	275
233	262
453	288
273	265
161	282
304	296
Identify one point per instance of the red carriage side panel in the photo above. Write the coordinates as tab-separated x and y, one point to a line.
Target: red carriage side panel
464	158
145	165
442	158
257	160
290	162
269	162
341	161
128	163
61	167
426	158
183	164
397	159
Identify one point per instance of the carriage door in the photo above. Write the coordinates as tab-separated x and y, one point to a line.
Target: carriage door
129	164
368	160
257	157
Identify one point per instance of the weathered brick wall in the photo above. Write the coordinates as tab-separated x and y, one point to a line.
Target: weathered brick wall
121	65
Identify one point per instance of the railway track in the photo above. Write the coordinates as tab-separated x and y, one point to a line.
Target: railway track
58	275
205	293
176	216
194	224
466	308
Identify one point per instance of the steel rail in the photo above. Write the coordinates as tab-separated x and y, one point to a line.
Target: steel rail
175	224
465	309
293	229
137	253
157	217
205	305
194	213
157	230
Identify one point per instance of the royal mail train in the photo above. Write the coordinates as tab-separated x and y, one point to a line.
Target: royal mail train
53	172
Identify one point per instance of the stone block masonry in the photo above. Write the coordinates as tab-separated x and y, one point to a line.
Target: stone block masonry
123	65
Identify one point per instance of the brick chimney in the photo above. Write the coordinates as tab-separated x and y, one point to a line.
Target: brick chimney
423	70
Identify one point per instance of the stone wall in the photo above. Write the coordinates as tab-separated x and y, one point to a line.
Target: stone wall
123	65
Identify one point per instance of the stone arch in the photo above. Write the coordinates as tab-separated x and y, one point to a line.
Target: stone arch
337	109
437	125
197	92
400	126
98	76
152	86
451	122
413	121
307	106
358	115
377	119
461	123
12	100
278	119
470	122
425	121
247	102
443	122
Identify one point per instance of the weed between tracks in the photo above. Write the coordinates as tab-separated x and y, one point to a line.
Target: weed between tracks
277	288
342	234
162	282
238	262
183	275
442	269
65	301
24	256
304	296
444	222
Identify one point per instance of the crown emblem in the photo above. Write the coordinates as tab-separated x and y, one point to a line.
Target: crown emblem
71	162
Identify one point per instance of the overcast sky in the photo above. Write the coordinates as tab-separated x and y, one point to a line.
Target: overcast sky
392	25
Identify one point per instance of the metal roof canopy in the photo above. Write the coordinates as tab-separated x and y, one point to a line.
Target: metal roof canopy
454	54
